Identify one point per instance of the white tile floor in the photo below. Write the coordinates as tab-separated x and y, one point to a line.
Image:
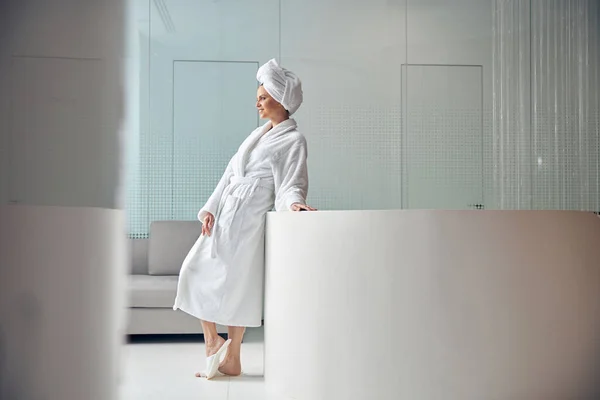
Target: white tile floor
165	370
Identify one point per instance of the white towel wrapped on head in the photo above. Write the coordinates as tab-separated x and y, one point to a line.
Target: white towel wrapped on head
283	85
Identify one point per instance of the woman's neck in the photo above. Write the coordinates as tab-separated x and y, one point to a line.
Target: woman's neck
277	120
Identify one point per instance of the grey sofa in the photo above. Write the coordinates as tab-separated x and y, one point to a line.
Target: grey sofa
155	265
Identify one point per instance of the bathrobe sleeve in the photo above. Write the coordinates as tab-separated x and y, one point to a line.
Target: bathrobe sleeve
290	173
212	204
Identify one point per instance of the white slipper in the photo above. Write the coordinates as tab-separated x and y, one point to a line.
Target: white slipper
203	374
212	362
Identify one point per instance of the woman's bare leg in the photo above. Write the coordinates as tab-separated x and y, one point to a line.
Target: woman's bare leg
232	364
212	339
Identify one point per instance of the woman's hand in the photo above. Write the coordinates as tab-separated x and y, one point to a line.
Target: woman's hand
302	207
207	224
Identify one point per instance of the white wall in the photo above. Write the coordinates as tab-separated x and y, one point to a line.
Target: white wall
356	108
456	33
350	56
227	33
375	142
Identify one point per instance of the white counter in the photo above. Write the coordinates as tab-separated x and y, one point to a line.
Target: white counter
430	305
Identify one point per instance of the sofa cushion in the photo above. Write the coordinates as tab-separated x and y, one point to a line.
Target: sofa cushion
170	242
139	256
147	291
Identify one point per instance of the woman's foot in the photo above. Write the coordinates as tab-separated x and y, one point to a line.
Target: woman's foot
212	347
231	366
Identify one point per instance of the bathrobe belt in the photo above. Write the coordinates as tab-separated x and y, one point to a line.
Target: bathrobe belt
254	183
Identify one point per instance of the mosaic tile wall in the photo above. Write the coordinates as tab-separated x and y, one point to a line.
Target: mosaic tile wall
380	137
443	137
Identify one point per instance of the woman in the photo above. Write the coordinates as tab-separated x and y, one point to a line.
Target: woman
221	279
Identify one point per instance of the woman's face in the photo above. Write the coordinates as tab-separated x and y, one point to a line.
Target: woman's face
267	107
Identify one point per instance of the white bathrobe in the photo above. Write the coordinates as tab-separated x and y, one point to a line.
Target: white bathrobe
221	279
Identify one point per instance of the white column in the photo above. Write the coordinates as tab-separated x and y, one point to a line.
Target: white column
62	233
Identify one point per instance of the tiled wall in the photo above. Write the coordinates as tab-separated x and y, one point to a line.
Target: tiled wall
402	106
